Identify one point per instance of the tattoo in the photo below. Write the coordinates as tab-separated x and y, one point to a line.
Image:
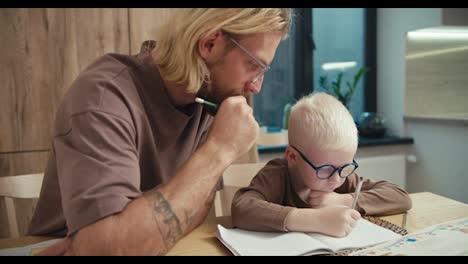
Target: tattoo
188	218
164	215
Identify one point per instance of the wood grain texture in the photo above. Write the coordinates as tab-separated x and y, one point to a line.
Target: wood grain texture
42	52
145	23
23	163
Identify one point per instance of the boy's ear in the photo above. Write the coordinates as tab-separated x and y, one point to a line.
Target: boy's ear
291	156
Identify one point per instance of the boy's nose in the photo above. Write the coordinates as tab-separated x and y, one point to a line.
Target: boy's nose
335	178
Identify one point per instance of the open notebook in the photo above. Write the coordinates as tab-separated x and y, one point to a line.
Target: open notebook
445	239
244	243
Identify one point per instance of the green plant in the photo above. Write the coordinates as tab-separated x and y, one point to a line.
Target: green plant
335	89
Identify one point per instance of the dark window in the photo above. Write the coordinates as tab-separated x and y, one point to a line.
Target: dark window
321	39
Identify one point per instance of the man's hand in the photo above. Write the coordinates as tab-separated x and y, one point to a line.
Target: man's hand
318	199
234	127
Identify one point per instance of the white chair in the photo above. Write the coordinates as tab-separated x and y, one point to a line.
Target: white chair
234	177
14	187
242	172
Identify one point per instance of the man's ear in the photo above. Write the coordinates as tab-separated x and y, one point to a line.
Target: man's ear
291	156
211	45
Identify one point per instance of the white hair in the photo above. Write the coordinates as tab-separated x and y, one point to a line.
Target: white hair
322	120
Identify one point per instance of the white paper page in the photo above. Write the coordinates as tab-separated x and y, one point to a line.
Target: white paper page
250	243
363	234
446	239
27	250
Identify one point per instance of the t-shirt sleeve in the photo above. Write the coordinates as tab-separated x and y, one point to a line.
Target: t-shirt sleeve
377	197
259	206
97	166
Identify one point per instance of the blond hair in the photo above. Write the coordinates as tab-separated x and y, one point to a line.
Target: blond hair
176	53
322	120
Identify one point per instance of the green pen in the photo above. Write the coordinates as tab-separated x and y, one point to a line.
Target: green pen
203	101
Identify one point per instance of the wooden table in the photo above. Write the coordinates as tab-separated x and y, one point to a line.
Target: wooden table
428	209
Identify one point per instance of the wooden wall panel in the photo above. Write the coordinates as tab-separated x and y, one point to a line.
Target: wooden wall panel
42	51
145	23
23	163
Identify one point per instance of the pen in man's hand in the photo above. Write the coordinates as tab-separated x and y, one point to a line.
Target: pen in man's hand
357	192
203	101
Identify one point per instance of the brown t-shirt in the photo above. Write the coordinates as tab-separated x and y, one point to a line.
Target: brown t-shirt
116	135
265	203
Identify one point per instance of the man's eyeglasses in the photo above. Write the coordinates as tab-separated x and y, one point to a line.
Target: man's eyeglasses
327	170
264	68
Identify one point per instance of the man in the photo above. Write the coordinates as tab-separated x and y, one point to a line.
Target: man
135	162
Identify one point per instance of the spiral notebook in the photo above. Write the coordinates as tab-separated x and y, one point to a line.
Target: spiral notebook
369	231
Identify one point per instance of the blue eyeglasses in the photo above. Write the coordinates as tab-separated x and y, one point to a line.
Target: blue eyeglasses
327	170
263	68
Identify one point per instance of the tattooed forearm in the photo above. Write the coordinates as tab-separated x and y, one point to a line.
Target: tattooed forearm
188	218
166	219
209	202
194	217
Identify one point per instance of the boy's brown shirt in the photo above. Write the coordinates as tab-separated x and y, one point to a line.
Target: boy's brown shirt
265	203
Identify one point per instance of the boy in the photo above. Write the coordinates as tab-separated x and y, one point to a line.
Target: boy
312	188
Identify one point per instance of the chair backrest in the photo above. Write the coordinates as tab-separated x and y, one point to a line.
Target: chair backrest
15	187
234	177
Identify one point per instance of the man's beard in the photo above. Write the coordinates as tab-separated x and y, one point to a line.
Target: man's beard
210	92
206	93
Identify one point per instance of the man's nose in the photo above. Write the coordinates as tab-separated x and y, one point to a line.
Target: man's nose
254	87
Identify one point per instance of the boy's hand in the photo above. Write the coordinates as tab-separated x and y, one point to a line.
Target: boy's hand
337	221
318	199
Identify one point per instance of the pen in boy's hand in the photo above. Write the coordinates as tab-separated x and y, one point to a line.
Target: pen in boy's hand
357	192
203	101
